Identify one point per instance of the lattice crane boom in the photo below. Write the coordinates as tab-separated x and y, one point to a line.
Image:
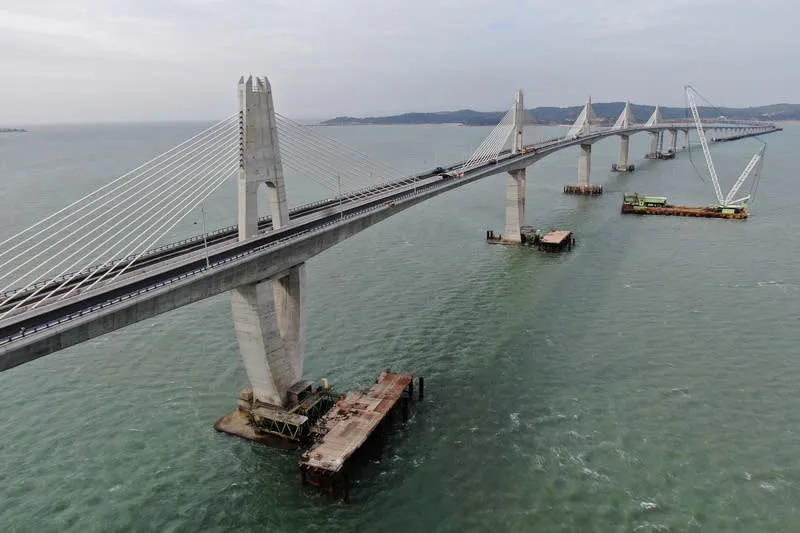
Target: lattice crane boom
757	158
693	106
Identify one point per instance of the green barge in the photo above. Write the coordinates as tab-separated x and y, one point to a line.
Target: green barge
657	205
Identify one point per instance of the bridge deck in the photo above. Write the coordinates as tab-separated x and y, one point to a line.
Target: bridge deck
179	274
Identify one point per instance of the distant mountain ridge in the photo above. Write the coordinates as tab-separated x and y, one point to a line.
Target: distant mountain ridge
608	111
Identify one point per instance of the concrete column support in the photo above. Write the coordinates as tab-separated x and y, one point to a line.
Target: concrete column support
260	160
267	316
584	164
673	140
269	322
685	139
515	205
653	143
622	165
515	184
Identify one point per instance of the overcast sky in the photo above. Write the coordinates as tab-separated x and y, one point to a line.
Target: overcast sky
119	60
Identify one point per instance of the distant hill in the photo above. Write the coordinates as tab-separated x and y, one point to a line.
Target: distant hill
608	111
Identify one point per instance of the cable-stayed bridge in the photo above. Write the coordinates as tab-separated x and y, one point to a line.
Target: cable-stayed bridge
95	266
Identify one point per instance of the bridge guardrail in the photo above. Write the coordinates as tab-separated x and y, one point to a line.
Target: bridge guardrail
175	244
165	247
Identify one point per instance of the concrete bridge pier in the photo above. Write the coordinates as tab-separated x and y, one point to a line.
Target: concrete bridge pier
622	164
685	139
584	165
625	121
673	140
582	126
268	316
269	322
584	186
515	184
653	153
515	206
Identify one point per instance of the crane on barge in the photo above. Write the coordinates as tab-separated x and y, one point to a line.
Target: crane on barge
726	202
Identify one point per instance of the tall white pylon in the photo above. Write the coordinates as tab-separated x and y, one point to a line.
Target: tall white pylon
519	118
260	157
586	119
655	118
515	183
268	315
626	118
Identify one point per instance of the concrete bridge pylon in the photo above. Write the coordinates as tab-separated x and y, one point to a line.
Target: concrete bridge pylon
515	183
260	158
654	120
625	121
626	118
583	124
268	315
582	127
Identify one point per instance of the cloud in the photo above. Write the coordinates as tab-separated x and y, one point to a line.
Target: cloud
180	59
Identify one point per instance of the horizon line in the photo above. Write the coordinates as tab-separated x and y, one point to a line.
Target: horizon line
318	120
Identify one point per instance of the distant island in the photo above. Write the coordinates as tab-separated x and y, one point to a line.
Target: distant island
12	130
607	112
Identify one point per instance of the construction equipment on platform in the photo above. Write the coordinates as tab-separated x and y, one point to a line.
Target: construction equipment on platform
727	202
657	205
545	240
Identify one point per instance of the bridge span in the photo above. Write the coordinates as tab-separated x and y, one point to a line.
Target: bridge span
262	259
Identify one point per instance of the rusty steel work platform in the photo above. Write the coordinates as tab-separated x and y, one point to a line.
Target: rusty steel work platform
687	211
557	240
344	429
546	240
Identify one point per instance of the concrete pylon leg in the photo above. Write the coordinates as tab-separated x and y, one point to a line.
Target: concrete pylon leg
653	143
673	140
515	206
584	164
685	139
269	322
622	165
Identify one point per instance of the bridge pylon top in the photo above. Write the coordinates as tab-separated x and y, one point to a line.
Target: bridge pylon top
586	119
519	122
626	118
655	118
259	84
260	158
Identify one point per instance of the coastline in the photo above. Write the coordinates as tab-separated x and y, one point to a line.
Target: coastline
467	124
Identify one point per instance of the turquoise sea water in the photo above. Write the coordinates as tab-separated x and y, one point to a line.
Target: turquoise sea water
646	381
